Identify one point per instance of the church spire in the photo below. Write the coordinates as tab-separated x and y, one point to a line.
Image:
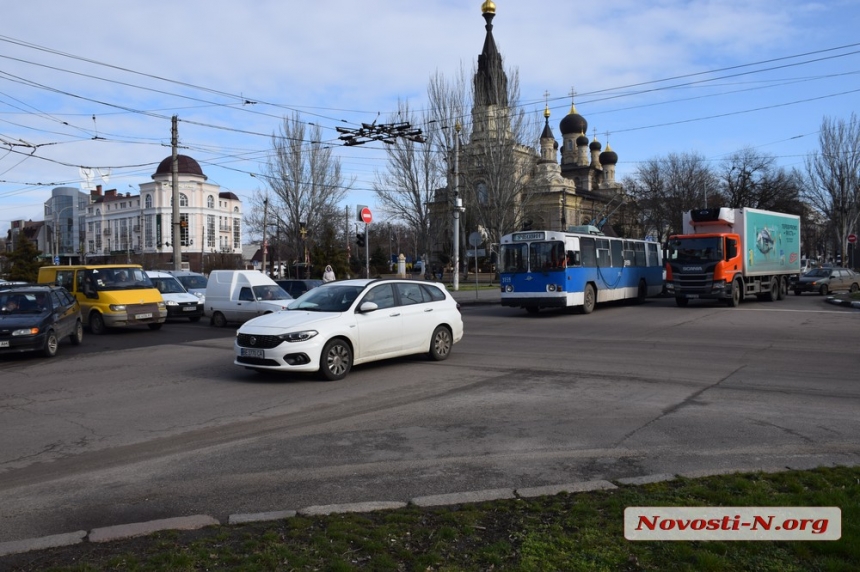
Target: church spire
491	83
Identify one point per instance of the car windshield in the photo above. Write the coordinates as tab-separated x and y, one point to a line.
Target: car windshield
193	282
270	292
168	286
334	298
24	303
818	272
103	279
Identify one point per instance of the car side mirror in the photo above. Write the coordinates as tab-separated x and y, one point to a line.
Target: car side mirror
368	307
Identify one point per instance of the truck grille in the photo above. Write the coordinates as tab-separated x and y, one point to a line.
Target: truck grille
694	282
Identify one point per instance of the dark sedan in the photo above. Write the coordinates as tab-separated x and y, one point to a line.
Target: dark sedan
37	317
825	280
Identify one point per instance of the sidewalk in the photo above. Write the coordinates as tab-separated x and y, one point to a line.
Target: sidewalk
480	296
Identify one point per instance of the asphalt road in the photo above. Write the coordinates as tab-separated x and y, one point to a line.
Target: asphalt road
141	425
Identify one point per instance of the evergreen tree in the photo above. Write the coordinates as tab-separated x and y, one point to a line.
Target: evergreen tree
24	261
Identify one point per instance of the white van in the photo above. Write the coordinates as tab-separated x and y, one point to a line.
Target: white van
239	295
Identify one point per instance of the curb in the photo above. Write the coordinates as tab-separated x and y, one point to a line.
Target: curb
844	303
194	522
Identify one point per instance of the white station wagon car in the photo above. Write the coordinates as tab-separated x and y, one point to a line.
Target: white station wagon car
348	322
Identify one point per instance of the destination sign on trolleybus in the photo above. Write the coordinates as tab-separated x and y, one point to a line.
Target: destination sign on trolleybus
524	236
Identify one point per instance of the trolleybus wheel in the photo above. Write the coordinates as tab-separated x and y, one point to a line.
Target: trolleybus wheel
588	299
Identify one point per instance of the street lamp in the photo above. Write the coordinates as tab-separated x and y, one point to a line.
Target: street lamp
57	215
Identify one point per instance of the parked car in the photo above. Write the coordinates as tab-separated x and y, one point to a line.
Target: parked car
296	288
193	282
824	280
180	303
36	317
349	322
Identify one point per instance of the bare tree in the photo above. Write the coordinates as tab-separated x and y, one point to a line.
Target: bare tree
305	186
750	178
833	177
665	187
498	162
408	186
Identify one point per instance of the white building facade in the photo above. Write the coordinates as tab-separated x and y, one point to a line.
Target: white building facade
122	227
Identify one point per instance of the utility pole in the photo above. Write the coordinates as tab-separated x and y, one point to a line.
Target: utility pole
174	171
458	206
265	214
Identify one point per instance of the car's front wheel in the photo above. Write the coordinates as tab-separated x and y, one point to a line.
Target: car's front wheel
97	324
78	335
335	360
440	343
823	290
854	288
51	344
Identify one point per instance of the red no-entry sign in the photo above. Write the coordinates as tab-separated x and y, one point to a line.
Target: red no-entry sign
366	215
852	238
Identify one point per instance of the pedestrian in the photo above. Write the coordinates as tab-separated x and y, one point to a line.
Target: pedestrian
328	275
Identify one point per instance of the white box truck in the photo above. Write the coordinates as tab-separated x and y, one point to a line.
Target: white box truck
236	296
728	254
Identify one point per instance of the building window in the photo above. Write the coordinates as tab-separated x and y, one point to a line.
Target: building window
183	200
147	201
237	234
210	231
481	192
210	202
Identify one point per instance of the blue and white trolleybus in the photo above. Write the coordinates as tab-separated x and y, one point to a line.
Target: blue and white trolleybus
554	269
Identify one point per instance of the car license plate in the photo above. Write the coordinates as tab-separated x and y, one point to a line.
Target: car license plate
249	352
4	344
189	308
693	296
143	316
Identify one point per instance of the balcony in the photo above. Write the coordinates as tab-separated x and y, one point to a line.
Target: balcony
106	232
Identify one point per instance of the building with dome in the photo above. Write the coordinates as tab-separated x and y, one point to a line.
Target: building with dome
126	227
562	185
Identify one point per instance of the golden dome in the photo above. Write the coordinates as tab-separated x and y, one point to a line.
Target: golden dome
488	7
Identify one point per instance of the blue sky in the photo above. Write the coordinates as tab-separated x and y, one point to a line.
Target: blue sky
94	82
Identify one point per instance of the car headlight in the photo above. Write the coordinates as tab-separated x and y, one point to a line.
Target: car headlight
302	336
25	332
171	303
161	304
117	307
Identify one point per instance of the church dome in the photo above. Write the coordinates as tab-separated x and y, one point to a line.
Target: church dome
185	164
595	145
608	157
582	140
573	122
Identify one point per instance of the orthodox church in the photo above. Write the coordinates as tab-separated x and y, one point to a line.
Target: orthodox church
559	185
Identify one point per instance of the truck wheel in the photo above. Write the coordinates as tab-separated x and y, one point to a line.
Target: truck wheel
783	288
218	320
735	300
588	300
682	302
773	295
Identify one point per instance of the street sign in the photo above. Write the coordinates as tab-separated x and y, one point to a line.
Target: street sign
479	251
475	239
852	238
366	215
56	261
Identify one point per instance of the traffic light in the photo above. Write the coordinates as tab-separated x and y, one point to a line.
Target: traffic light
359	238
